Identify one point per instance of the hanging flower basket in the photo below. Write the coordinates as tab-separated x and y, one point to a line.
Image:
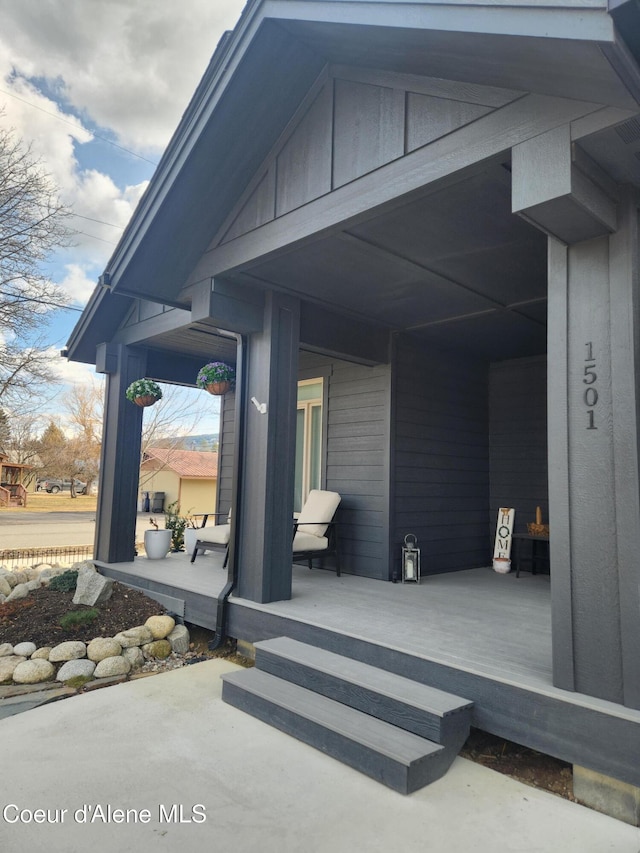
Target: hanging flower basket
144	392
218	388
216	377
145	400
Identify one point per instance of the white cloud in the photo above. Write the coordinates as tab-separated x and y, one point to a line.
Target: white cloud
132	66
77	284
71	372
101	212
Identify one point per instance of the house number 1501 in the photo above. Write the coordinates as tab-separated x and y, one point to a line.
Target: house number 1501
590	377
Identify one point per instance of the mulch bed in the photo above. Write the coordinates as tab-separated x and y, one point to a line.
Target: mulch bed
520	762
36	618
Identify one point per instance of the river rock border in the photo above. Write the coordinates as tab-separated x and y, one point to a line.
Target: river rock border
104	657
157	645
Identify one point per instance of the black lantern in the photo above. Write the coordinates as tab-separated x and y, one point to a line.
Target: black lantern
410	560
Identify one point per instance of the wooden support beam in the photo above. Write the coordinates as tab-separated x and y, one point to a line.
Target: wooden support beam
227	305
332	334
554	189
394	184
269	398
120	454
164	321
594	470
170	366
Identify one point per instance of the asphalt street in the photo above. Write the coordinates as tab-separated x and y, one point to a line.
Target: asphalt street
53	529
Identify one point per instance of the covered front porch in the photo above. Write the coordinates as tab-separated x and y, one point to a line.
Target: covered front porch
475	633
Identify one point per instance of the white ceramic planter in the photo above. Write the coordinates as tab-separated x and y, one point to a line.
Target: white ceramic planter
502	565
190	536
157	543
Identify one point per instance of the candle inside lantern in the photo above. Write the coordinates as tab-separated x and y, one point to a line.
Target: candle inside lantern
538	515
410	567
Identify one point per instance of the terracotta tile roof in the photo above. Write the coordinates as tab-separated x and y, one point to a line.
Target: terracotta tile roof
186	463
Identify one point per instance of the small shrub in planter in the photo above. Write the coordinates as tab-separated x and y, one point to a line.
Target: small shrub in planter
66	582
176	523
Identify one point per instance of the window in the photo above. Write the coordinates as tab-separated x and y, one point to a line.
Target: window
308	440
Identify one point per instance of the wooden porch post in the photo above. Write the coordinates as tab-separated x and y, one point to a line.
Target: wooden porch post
269	397
120	454
593	374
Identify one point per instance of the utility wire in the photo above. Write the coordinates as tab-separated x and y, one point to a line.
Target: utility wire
41	301
99	221
93	236
66	121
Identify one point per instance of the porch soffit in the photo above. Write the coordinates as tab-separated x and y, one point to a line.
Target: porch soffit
171	330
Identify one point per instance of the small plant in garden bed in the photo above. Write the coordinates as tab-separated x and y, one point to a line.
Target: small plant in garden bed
66	582
38	617
12	609
78	618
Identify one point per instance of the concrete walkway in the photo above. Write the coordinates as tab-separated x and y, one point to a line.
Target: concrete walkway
168	744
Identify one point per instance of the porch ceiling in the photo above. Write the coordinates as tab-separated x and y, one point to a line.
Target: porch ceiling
455	267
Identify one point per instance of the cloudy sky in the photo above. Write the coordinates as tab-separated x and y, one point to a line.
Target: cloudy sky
97	87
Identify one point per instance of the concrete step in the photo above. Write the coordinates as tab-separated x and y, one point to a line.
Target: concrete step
417	708
399	759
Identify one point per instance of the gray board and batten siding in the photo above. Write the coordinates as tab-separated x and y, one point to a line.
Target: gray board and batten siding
226	452
440	456
518	439
357	460
355	445
352	122
435	451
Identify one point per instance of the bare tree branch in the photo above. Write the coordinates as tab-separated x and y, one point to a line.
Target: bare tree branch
32	227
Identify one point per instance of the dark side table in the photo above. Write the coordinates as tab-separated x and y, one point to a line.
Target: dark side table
538	553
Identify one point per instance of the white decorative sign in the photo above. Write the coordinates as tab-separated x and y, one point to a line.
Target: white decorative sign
504	531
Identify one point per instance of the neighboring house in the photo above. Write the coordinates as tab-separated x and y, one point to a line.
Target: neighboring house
16	481
188	477
429	211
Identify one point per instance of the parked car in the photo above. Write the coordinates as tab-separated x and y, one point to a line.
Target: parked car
53	486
